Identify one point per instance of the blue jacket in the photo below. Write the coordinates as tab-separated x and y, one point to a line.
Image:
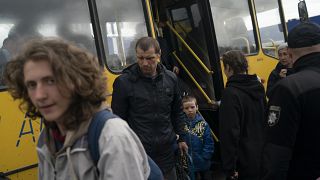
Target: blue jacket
200	142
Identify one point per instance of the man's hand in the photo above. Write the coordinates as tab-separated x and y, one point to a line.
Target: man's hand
234	176
176	70
183	147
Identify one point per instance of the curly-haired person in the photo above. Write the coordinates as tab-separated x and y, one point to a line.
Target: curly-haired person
65	86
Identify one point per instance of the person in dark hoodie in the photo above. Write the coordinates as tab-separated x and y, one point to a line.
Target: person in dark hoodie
283	68
242	119
148	97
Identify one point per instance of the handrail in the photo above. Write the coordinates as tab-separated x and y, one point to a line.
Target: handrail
149	13
189	37
193	79
188	47
245	40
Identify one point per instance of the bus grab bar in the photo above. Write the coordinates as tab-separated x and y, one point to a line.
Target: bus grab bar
193	79
188	47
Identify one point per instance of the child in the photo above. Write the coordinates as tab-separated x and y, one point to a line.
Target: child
198	138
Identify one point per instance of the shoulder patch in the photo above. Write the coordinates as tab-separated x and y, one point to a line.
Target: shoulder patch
274	115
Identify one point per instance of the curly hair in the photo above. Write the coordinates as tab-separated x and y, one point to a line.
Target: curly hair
236	61
77	72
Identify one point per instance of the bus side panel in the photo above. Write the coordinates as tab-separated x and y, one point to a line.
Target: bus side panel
261	65
18	138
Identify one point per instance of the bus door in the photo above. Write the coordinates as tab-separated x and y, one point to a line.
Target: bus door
77	21
185	32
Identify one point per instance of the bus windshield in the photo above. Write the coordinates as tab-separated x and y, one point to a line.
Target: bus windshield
270	26
233	26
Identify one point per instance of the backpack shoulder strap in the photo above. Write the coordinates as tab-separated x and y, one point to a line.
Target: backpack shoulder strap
94	131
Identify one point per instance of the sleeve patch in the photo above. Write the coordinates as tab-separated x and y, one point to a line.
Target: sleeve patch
274	115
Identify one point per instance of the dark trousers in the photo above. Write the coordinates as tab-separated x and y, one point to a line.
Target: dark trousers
170	175
203	175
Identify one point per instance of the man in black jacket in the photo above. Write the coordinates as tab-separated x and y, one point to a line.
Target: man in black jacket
147	96
292	149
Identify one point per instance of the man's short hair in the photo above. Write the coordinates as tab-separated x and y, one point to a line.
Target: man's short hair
188	98
305	34
146	43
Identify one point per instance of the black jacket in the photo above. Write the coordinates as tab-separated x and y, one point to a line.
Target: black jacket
152	108
293	149
242	124
274	76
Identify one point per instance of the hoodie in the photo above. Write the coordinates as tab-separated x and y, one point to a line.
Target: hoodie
242	124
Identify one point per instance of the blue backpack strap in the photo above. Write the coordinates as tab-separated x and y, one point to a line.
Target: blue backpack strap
155	172
94	131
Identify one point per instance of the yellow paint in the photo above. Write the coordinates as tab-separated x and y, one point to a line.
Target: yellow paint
16	152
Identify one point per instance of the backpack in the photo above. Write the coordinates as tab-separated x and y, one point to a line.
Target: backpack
94	131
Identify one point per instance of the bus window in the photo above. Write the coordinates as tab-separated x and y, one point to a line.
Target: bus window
271	31
23	20
233	26
122	25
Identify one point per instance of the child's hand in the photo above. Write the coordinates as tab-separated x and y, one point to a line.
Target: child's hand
234	176
183	147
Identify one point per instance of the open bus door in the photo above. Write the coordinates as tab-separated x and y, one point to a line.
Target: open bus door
200	31
188	31
106	28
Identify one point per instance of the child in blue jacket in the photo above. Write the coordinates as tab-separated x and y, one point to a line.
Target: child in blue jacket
198	138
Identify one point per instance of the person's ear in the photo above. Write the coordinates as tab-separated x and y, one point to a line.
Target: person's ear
290	55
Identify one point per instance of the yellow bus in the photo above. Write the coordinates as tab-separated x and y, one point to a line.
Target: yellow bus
197	32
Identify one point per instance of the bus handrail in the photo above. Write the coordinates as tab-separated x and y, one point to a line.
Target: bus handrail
189	48
210	101
212	133
246	41
193	41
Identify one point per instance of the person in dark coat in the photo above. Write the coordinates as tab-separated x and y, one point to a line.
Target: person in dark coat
283	68
292	149
242	119
148	97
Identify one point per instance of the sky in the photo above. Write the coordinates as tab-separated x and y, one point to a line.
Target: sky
291	8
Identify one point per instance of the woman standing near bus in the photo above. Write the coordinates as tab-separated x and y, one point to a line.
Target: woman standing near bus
242	119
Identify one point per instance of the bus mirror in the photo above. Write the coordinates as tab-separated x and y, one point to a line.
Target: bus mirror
303	12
